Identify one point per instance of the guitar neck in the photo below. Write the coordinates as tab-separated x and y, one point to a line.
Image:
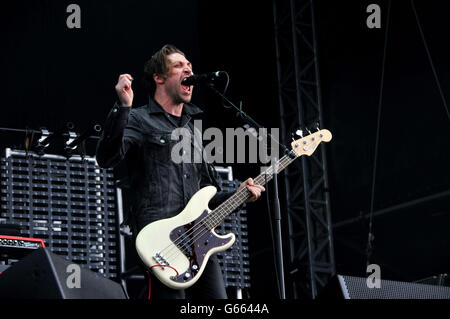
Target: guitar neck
216	217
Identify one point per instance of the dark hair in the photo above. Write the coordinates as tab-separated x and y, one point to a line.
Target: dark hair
158	65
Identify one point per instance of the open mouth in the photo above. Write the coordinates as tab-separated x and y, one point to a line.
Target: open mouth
185	88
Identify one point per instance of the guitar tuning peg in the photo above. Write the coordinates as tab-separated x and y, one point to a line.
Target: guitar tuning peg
308	131
317	126
299	133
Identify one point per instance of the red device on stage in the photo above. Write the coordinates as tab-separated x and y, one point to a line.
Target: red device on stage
14	248
20	242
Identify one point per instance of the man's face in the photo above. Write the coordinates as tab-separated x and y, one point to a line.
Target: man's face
179	69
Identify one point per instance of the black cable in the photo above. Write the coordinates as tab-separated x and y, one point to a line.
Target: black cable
225	91
377	140
430	60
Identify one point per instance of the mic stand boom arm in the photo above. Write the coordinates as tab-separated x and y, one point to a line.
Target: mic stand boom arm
250	121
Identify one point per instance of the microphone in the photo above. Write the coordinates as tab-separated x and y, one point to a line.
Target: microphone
201	78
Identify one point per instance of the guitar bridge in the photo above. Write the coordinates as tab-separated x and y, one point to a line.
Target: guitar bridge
159	258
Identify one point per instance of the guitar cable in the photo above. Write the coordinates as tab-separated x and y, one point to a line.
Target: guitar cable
150	278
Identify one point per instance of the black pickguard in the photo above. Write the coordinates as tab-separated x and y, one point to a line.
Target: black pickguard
195	240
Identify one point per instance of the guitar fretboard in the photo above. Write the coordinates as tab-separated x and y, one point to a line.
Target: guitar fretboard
237	199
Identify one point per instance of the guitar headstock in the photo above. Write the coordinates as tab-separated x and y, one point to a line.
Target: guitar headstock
308	144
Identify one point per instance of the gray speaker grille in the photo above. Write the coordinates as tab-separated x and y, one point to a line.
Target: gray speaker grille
357	288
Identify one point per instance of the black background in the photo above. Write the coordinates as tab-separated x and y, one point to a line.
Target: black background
51	75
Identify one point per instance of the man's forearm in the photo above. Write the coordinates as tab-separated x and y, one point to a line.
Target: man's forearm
110	146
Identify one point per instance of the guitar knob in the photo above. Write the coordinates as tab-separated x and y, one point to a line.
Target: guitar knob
187	276
194	267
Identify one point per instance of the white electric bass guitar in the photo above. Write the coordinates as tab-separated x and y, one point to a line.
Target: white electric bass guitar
177	249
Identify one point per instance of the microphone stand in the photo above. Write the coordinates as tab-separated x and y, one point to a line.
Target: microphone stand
279	244
277	235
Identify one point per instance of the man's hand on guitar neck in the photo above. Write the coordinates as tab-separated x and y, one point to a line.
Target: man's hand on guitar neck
255	189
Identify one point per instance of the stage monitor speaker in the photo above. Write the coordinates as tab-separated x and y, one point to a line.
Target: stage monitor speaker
44	275
348	287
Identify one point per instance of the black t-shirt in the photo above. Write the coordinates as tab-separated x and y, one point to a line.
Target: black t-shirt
177	119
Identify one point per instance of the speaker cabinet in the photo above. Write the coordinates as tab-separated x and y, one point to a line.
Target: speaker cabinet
44	275
348	287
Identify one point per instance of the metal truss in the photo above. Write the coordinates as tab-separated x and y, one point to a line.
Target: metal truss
307	199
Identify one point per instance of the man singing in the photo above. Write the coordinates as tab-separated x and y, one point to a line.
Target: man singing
142	136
